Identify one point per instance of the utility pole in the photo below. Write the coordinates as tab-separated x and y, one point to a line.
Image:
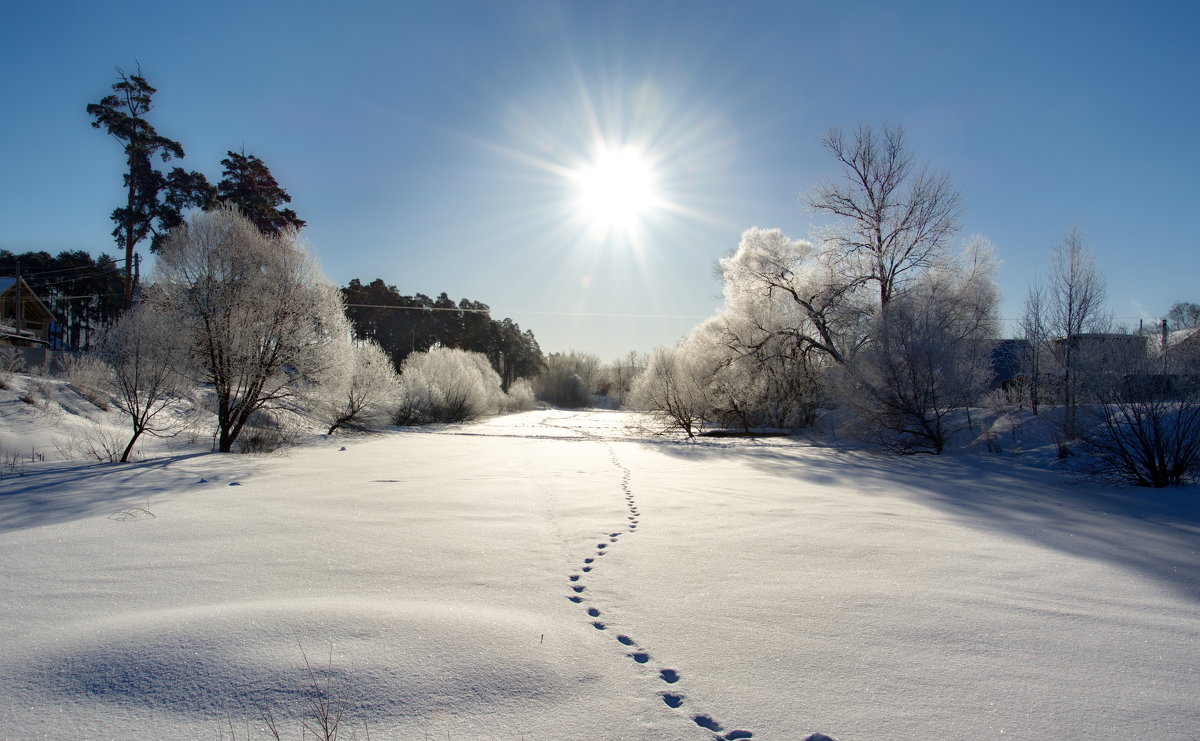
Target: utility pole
18	310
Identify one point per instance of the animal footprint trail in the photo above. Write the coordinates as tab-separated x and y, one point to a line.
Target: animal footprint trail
674	699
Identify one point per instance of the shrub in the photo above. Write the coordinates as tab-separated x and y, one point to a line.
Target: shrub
90	376
520	396
11	362
447	385
1153	442
360	401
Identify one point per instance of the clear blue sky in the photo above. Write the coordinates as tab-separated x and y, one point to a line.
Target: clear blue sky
426	144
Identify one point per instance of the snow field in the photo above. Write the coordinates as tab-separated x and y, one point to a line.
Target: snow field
763	587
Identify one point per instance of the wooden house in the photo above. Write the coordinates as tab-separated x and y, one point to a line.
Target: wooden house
24	319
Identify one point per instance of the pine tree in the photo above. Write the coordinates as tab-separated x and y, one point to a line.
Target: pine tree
154	202
247	183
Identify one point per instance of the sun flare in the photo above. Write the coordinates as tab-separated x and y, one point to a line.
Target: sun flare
617	189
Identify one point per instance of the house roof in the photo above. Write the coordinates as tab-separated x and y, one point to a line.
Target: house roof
7	282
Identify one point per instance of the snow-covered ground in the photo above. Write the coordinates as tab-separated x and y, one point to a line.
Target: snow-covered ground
561	575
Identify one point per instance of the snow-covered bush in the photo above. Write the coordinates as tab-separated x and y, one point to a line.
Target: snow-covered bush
10	362
520	397
363	397
447	385
90	376
271	431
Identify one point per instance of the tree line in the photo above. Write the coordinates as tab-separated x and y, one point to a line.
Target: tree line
403	325
83	292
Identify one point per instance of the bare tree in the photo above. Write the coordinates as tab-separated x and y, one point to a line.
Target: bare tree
1033	326
1077	306
144	356
264	324
1184	315
897	217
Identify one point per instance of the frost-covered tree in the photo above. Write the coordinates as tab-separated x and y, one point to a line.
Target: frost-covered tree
895	218
145	358
263	323
675	387
447	385
929	356
791	311
776	287
362	397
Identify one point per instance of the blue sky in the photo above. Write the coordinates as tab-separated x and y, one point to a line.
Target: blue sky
431	144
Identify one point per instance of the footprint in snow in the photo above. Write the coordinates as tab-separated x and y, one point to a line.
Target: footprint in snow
602	545
588	560
578	588
706	722
598	625
235	483
574	577
670	676
625	640
640	657
593	612
575	598
586	569
672	701
733	735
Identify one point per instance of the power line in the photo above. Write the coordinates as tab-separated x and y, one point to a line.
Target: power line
418	308
530	311
79	268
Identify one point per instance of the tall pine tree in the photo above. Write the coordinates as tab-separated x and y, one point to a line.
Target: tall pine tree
153	202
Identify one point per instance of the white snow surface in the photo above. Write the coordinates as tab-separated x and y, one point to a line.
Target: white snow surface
426	575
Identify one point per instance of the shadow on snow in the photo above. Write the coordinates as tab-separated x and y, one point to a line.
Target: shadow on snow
1155	532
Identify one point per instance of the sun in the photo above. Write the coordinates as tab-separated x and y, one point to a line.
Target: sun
616	189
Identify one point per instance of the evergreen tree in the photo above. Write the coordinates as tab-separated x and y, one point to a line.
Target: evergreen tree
247	183
154	201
